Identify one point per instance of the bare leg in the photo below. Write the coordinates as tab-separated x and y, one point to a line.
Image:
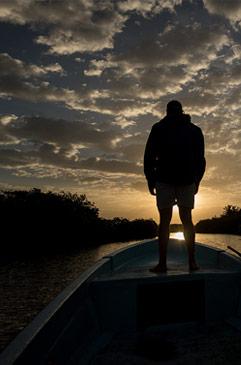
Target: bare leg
189	235
165	219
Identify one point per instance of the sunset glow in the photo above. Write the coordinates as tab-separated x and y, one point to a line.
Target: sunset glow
83	81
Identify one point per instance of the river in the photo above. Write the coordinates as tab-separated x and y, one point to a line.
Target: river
28	285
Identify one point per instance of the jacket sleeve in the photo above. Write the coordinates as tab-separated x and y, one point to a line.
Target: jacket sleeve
150	158
201	162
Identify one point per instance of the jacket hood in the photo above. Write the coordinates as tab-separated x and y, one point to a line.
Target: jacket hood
178	119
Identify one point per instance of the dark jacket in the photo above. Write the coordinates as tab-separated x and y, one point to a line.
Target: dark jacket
174	152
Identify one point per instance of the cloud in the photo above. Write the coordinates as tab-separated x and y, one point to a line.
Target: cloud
14	158
163	64
72	26
78	25
224	169
113	166
230	9
123	122
60	132
55	67
22	80
6	138
148	7
27	82
193	45
17	68
38	141
96	67
131	148
49	157
105	102
73	137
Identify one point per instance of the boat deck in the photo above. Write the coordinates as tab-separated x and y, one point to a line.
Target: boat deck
131	297
139	268
204	345
180	316
138	262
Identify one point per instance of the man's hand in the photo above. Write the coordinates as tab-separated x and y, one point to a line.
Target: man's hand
152	188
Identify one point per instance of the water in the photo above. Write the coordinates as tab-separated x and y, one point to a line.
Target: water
27	286
216	240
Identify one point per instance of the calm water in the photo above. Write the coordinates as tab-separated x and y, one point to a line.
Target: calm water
28	286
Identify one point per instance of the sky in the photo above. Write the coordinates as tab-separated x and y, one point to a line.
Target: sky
83	81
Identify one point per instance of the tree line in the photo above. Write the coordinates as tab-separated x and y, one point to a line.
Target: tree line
34	221
229	222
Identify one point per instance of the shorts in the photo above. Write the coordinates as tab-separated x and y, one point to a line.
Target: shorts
168	195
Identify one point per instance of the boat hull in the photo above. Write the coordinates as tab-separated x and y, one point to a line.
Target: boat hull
119	293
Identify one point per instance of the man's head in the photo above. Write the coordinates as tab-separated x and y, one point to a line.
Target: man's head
174	107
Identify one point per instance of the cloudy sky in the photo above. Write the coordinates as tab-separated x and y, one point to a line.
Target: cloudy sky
83	81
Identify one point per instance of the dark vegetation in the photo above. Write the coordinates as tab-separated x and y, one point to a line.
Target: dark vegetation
37	222
176	228
229	222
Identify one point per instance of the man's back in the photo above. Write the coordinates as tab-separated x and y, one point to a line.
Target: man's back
175	151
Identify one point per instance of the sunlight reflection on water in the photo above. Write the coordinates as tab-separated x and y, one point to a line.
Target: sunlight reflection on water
215	240
177	235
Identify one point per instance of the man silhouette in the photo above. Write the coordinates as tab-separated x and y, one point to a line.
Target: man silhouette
174	165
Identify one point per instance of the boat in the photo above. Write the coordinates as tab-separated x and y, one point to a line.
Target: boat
119	296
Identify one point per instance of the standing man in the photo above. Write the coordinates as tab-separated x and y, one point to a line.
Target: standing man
174	165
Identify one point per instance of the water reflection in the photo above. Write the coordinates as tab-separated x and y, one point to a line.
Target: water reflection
177	235
221	241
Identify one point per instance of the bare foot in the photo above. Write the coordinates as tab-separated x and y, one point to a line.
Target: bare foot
193	266
159	268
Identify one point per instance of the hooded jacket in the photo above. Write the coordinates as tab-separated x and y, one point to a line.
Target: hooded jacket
174	152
